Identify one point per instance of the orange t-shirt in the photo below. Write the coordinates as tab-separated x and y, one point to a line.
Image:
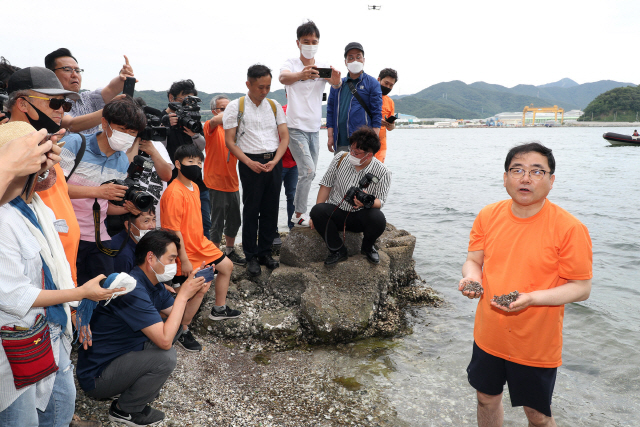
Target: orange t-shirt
180	211
57	199
219	174
388	108
527	254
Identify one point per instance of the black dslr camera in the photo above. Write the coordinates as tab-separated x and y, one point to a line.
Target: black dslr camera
4	97
188	113
155	130
366	199
135	193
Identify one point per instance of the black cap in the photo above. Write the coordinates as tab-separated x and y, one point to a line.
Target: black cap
353	45
39	79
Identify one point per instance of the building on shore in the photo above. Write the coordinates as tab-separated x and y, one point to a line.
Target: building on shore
515	119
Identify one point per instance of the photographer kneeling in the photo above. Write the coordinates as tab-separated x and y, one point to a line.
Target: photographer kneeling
352	191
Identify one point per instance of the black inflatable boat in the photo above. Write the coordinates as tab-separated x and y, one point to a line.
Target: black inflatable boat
619	139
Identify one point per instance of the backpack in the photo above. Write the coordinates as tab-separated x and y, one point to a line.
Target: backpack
241	114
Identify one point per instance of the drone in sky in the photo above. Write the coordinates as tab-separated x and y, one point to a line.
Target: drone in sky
374	7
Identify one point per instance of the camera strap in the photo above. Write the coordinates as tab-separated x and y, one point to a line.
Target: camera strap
79	156
355	93
96	224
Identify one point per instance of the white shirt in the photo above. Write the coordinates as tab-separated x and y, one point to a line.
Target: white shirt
258	130
304	98
20	285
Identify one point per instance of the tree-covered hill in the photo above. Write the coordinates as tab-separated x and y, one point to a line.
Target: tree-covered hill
621	104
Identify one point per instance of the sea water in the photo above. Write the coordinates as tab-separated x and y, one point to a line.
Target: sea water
441	179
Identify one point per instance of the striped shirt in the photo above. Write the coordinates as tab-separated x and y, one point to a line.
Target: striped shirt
341	178
258	131
20	285
94	169
89	102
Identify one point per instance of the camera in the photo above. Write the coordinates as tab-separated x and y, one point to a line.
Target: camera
188	113
4	97
155	130
140	162
366	199
135	193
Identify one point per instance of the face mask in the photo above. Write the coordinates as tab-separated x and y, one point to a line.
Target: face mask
355	161
120	141
308	50
46	183
191	172
142	233
385	90
355	67
169	272
43	121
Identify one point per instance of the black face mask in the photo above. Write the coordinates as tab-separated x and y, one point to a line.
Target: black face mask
192	172
385	90
43	121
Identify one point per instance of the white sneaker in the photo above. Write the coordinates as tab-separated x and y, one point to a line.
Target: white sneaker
302	221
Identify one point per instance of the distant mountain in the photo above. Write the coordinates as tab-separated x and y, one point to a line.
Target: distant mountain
621	104
458	100
565	83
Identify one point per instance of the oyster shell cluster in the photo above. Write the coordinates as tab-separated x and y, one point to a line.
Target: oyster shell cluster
473	286
506	300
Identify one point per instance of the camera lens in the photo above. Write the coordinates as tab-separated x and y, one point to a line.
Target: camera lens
141	199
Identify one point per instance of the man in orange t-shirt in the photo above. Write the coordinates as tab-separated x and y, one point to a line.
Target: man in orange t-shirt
387	78
221	177
180	206
530	245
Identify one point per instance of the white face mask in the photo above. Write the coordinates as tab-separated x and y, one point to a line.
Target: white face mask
354	160
355	67
120	141
308	50
169	272
142	233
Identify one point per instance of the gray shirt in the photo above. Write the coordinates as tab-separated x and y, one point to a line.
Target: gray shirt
89	102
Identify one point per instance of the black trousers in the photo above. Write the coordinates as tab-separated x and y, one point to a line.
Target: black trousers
370	222
261	199
91	262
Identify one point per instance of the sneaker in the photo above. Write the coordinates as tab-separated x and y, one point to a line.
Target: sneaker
236	259
277	241
188	341
302	221
148	416
227	313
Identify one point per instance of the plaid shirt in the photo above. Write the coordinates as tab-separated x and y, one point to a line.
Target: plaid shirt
89	102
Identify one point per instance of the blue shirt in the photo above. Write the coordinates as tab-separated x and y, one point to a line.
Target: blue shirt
343	114
126	258
94	169
117	327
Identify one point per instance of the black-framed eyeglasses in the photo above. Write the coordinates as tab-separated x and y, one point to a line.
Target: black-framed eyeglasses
534	174
54	103
70	70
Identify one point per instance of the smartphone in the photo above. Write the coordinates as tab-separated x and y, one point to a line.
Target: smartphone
207	273
391	119
324	73
129	86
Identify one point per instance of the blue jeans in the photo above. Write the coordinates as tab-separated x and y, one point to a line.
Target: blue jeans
290	180
305	147
59	411
205	208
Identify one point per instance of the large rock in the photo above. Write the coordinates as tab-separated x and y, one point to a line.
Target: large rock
304	246
342	303
287	284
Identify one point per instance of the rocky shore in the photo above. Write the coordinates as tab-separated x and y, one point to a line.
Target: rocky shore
244	378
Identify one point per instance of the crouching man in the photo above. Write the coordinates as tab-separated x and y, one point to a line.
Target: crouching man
132	353
351	194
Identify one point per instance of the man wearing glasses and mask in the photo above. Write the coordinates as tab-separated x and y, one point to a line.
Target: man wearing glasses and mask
529	245
85	113
357	102
338	207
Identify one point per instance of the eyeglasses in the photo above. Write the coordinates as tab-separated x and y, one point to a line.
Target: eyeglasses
55	103
534	174
70	70
221	109
353	153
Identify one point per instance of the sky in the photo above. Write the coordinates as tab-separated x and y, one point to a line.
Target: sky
427	42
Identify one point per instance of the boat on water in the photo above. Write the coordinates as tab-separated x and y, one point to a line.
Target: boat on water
619	139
